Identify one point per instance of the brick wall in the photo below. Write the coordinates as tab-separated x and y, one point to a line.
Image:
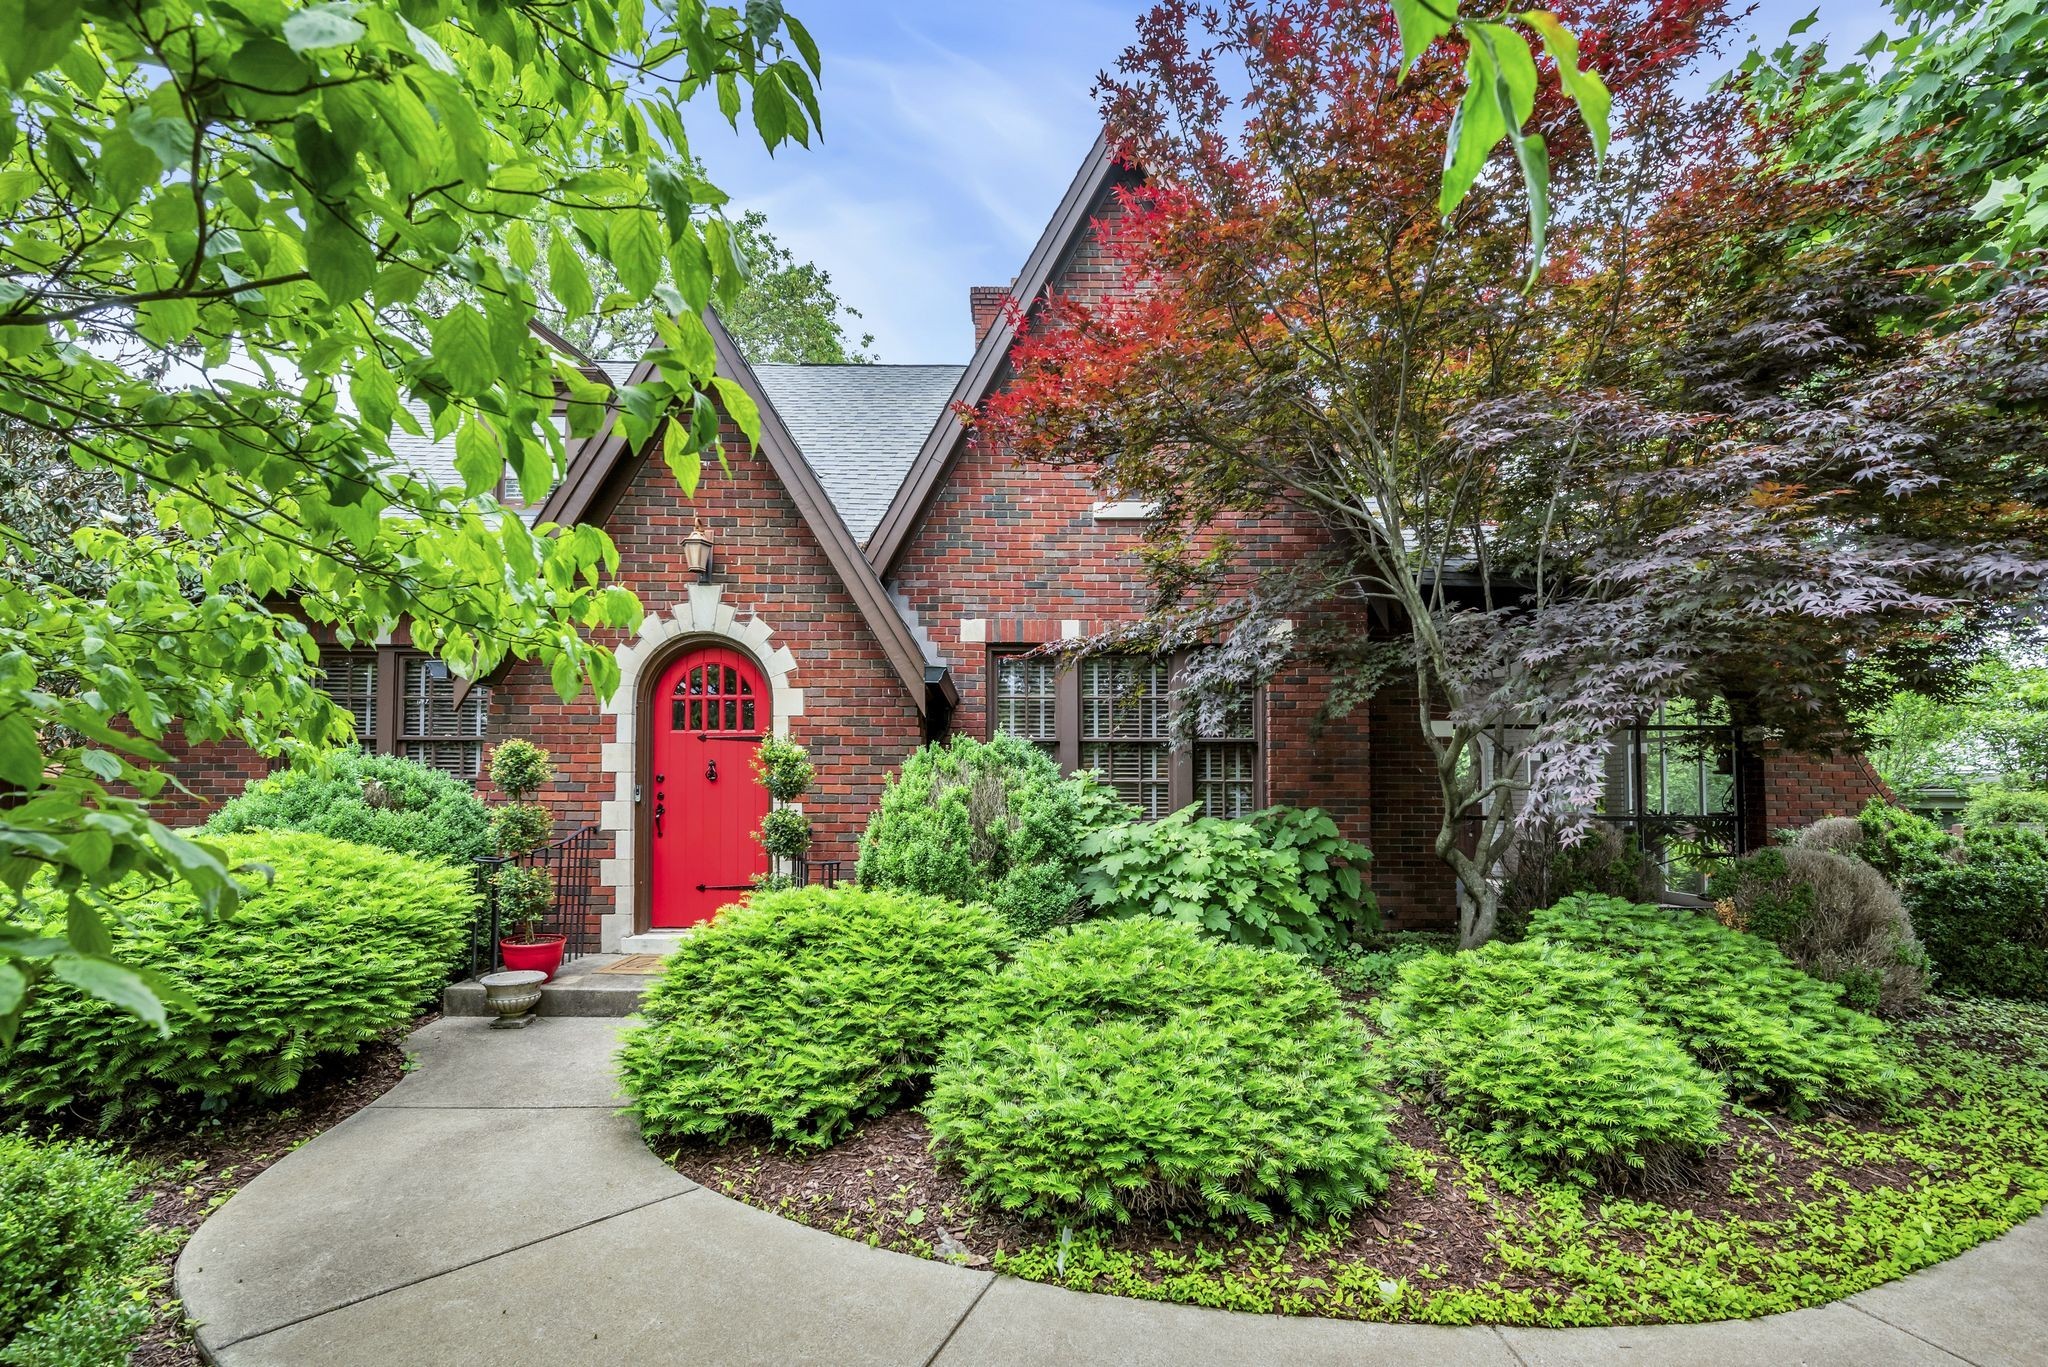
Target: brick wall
214	772
1790	789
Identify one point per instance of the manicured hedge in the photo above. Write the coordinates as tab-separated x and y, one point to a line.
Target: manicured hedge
382	800
991	822
1130	1066
345	943
804	1011
70	1246
1986	927
1734	1002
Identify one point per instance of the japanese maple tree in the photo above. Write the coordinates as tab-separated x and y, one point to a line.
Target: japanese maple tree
1716	448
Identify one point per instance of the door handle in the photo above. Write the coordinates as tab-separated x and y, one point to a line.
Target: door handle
657	819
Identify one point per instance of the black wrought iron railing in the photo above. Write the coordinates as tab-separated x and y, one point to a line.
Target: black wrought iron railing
572	860
826	873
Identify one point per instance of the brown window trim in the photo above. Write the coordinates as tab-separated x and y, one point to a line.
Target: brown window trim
388	702
1181	789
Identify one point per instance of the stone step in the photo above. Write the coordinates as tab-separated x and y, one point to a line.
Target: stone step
578	989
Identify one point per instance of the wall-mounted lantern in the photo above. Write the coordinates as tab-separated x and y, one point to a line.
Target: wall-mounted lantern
697	553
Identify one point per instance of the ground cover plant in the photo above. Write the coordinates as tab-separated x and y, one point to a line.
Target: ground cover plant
1133	1066
988	821
1284	878
382	800
803	1012
72	1254
343	943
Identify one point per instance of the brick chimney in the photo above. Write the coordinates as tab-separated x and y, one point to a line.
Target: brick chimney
986	303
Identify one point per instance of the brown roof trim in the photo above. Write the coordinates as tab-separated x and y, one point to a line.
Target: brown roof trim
935	457
590	487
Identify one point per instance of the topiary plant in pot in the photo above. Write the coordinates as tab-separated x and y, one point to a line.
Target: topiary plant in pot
785	770
519	827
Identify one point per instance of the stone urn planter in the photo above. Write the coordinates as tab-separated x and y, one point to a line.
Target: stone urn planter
512	996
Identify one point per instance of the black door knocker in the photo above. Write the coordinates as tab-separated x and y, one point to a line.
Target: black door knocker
711	772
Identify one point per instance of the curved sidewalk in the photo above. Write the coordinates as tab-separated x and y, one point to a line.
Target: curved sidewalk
494	1208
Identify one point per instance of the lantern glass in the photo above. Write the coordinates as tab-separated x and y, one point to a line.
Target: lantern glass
697	552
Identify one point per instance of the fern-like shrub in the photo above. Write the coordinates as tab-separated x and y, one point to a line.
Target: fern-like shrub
70	1244
344	943
1281	879
987	821
1835	916
382	800
1544	1055
1134	1066
803	1011
1732	1000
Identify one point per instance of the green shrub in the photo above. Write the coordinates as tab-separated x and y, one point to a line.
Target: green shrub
1901	845
1371	964
1733	1001
381	800
1834	916
2006	807
785	832
1545	1055
1985	927
1542	870
1133	1066
344	944
70	1244
520	827
1282	879
525	894
785	768
2005	845
989	822
804	1011
519	769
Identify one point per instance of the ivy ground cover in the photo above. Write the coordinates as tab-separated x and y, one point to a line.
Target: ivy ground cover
1779	1215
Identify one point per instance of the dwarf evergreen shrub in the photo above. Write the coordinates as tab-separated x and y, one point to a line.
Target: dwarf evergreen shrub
1733	1001
381	800
70	1241
1284	879
1985	926
1834	916
987	821
1900	844
2006	807
1132	1066
804	1011
344	943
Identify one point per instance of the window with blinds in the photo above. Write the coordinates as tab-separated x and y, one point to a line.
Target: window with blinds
1227	764
431	728
1027	701
350	680
1125	734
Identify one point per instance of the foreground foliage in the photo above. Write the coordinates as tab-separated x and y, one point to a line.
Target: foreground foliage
987	821
71	1242
344	943
382	800
1132	1066
803	1012
1284	878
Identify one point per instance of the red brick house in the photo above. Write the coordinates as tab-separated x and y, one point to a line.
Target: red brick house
876	578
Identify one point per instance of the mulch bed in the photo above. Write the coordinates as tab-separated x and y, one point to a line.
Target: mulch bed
201	1162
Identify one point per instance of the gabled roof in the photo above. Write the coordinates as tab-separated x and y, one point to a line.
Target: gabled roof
859	426
597	466
942	444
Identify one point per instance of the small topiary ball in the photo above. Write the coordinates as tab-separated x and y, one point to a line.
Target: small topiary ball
785	833
519	769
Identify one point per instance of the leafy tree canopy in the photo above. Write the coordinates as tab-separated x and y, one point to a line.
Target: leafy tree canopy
217	225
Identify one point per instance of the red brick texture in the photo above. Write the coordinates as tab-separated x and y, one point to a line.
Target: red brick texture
985	305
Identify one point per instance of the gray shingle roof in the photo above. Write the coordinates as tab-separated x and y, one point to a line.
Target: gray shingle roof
859	426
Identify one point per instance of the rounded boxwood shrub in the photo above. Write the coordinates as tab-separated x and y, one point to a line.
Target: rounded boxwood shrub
1734	1001
1985	926
1543	1054
1134	1066
70	1241
344	943
1833	915
381	800
803	1011
1900	844
987	821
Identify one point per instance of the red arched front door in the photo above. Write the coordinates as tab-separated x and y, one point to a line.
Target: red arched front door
710	709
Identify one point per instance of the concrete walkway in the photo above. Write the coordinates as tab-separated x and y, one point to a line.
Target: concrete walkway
494	1208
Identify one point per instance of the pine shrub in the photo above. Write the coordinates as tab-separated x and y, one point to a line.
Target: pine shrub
1834	916
381	800
71	1244
344	943
1122	1067
1284	879
804	1011
1733	1001
987	821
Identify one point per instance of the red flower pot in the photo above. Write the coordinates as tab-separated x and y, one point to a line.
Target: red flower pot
543	952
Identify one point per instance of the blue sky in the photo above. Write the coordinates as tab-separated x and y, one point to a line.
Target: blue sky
950	131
